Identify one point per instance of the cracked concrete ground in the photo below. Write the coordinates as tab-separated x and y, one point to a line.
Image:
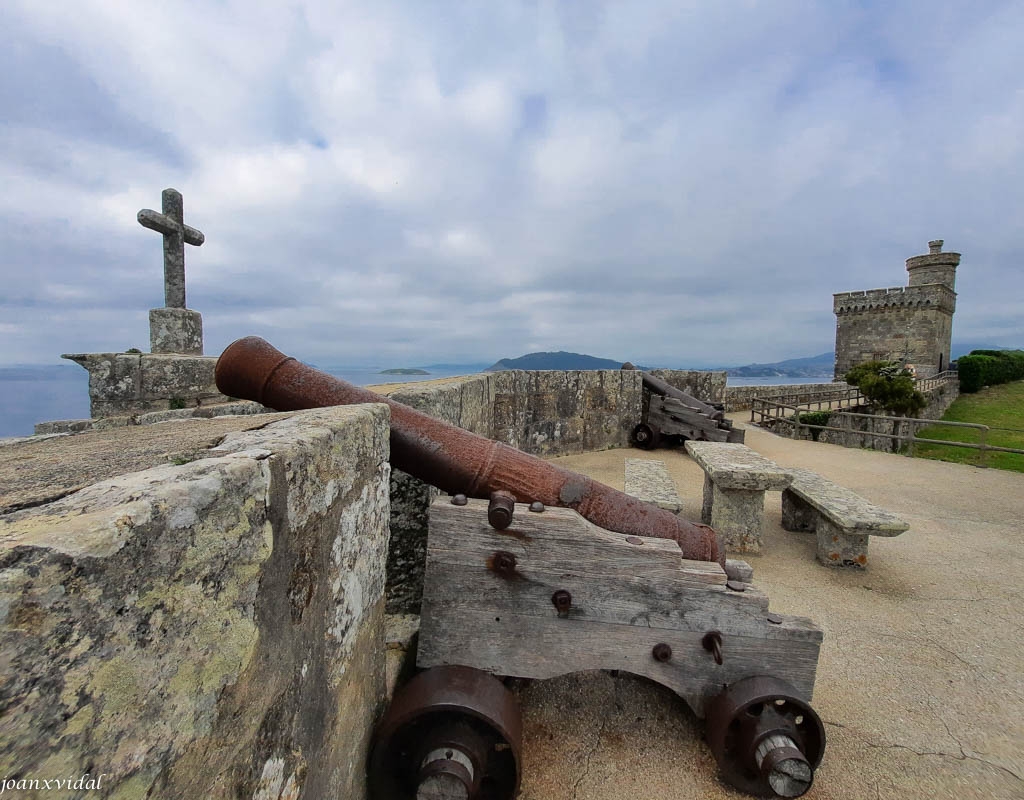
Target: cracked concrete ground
921	675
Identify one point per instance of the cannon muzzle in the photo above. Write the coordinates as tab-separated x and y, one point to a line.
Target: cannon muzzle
451	458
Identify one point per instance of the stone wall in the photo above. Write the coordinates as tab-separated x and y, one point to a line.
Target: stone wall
206	630
135	383
543	412
237	408
740	398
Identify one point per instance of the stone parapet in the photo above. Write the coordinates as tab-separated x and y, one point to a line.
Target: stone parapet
134	383
239	408
205	630
542	412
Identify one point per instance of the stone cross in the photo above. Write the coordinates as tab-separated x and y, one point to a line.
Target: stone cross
176	235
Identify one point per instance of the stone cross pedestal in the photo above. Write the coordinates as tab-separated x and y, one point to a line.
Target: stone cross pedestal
174	328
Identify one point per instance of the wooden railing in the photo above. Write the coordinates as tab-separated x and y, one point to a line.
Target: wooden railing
774	412
834	399
927	384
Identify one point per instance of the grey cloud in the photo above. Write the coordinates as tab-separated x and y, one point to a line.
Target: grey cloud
434	182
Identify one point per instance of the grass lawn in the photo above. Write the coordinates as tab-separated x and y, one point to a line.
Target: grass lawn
999	407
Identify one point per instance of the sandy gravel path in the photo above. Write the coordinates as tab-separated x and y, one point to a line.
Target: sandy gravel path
921	676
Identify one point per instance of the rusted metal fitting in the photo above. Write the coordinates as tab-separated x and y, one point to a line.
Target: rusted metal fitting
766	739
449	732
500	509
536	506
662	652
562	601
503	563
459	500
712	642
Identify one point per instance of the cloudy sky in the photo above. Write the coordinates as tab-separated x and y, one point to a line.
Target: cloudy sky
401	183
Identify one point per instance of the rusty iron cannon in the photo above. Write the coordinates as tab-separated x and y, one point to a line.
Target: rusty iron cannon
451	458
515	585
671	412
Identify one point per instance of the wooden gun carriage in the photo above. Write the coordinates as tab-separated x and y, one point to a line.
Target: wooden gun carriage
670	413
548	572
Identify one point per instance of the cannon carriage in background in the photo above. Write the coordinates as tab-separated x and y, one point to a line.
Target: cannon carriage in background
672	415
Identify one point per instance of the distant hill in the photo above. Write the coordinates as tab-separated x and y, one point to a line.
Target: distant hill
963	348
559	360
809	367
469	369
404	371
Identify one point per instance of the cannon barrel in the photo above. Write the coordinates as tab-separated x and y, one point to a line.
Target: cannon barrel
451	458
658	386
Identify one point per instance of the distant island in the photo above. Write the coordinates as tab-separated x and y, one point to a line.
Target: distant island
403	372
811	367
559	360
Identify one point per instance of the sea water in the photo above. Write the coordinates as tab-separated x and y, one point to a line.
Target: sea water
36	394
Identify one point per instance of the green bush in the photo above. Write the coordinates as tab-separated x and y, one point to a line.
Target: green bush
815	418
176	403
989	368
888	386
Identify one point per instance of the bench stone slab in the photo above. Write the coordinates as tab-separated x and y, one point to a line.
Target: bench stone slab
735	480
648	480
841	519
735	466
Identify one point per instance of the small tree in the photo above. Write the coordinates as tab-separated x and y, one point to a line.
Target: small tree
887	385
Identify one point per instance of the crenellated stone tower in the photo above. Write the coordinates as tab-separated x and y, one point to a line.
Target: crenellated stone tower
912	323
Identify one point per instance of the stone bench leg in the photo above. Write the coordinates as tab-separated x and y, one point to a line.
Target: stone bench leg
737	515
797	513
839	548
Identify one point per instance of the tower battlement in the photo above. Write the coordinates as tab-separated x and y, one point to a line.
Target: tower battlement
933	295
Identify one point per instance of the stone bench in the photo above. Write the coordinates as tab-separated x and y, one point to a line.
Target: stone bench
735	480
841	519
648	480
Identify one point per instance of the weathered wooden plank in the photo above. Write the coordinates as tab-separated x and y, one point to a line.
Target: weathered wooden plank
560	540
532	647
628	594
617	600
687	413
681	420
